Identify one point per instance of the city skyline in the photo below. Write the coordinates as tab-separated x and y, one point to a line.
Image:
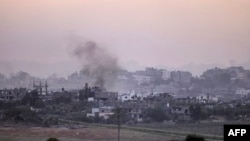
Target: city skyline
37	36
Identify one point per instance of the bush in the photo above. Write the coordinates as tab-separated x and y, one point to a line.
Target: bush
156	114
194	138
52	139
22	114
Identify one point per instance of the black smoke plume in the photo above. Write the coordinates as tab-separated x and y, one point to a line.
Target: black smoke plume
98	63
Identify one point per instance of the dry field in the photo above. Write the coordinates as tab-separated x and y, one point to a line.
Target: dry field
81	134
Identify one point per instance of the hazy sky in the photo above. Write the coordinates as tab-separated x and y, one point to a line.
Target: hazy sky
35	35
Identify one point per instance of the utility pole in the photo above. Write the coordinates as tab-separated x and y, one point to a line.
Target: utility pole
118	122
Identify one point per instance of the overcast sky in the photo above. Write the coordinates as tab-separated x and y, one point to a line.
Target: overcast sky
36	35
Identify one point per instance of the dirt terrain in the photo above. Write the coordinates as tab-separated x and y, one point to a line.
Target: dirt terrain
86	134
83	133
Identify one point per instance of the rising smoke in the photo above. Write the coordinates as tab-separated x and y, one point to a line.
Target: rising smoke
99	64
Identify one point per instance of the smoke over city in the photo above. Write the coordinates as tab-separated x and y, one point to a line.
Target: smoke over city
98	63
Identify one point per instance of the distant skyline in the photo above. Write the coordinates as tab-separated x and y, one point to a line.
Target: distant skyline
194	35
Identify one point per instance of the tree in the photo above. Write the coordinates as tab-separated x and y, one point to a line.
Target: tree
33	100
22	114
65	98
197	112
157	114
85	93
81	95
118	113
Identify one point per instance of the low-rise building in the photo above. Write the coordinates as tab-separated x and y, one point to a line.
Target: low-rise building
133	110
12	94
106	96
180	110
206	98
181	76
242	92
103	112
130	96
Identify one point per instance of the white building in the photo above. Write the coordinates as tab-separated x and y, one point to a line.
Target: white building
91	99
102	112
130	96
125	97
94	112
206	98
242	92
106	112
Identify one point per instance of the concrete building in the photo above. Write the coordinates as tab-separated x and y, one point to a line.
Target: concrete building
242	92
141	79
206	98
166	75
131	96
211	73
133	110
165	89
103	112
106	96
12	94
180	110
181	76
